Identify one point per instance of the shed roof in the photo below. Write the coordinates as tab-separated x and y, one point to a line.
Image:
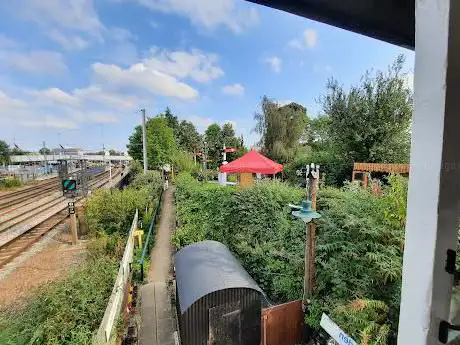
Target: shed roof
206	267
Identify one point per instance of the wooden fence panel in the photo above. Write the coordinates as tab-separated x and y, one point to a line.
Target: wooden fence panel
282	324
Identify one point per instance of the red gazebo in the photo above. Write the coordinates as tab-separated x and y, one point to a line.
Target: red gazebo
251	163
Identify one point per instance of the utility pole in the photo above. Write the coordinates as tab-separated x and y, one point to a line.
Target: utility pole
205	157
310	248
46	161
144	141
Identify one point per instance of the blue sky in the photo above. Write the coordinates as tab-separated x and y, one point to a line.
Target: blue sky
78	71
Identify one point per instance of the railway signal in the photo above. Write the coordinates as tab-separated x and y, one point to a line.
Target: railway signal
69	185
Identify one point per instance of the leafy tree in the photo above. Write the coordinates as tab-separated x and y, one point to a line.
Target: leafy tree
161	145
280	128
214	145
113	152
371	121
231	141
4	152
44	151
188	137
172	121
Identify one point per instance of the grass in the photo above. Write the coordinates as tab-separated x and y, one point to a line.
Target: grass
66	312
9	183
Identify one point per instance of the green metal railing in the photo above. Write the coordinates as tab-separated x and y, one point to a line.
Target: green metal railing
148	241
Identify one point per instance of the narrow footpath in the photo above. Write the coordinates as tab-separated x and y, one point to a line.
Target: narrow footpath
157	314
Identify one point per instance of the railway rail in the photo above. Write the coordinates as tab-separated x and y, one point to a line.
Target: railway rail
19	242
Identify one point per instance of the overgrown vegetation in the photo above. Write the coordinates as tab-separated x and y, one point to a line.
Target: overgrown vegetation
253	223
69	311
66	312
111	212
359	246
368	122
9	182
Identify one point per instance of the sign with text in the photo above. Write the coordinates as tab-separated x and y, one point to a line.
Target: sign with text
71	207
335	331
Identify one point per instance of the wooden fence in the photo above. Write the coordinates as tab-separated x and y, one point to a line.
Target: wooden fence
115	304
395	168
282	324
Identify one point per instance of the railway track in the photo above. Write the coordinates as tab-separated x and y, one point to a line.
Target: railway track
13	198
20	242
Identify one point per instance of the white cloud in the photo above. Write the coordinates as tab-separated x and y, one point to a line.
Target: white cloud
209	14
233	89
275	63
200	122
308	40
143	78
9	105
49	121
55	96
93	116
162	73
73	15
196	64
38	62
68	41
97	94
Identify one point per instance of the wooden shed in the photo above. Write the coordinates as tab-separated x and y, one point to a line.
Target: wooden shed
217	301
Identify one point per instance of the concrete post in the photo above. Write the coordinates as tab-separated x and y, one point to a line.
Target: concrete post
434	187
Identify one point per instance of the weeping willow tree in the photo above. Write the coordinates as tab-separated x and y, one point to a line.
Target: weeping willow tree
280	128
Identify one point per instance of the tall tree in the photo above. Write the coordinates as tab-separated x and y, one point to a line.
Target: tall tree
171	120
44	151
213	139
188	137
280	128
161	145
4	152
371	121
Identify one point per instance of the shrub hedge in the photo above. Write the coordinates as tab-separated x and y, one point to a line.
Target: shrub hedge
359	246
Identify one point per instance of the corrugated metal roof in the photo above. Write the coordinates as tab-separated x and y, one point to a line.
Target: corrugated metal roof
206	267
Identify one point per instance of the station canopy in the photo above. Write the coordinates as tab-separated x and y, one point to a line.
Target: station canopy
252	162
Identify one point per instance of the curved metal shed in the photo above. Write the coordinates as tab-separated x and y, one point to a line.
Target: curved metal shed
216	297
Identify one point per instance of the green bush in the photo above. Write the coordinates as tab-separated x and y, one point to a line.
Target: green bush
358	254
253	222
9	182
66	312
112	212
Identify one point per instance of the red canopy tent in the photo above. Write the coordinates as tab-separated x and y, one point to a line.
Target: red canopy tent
252	162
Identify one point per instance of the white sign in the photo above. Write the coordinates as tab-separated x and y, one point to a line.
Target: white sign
335	331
